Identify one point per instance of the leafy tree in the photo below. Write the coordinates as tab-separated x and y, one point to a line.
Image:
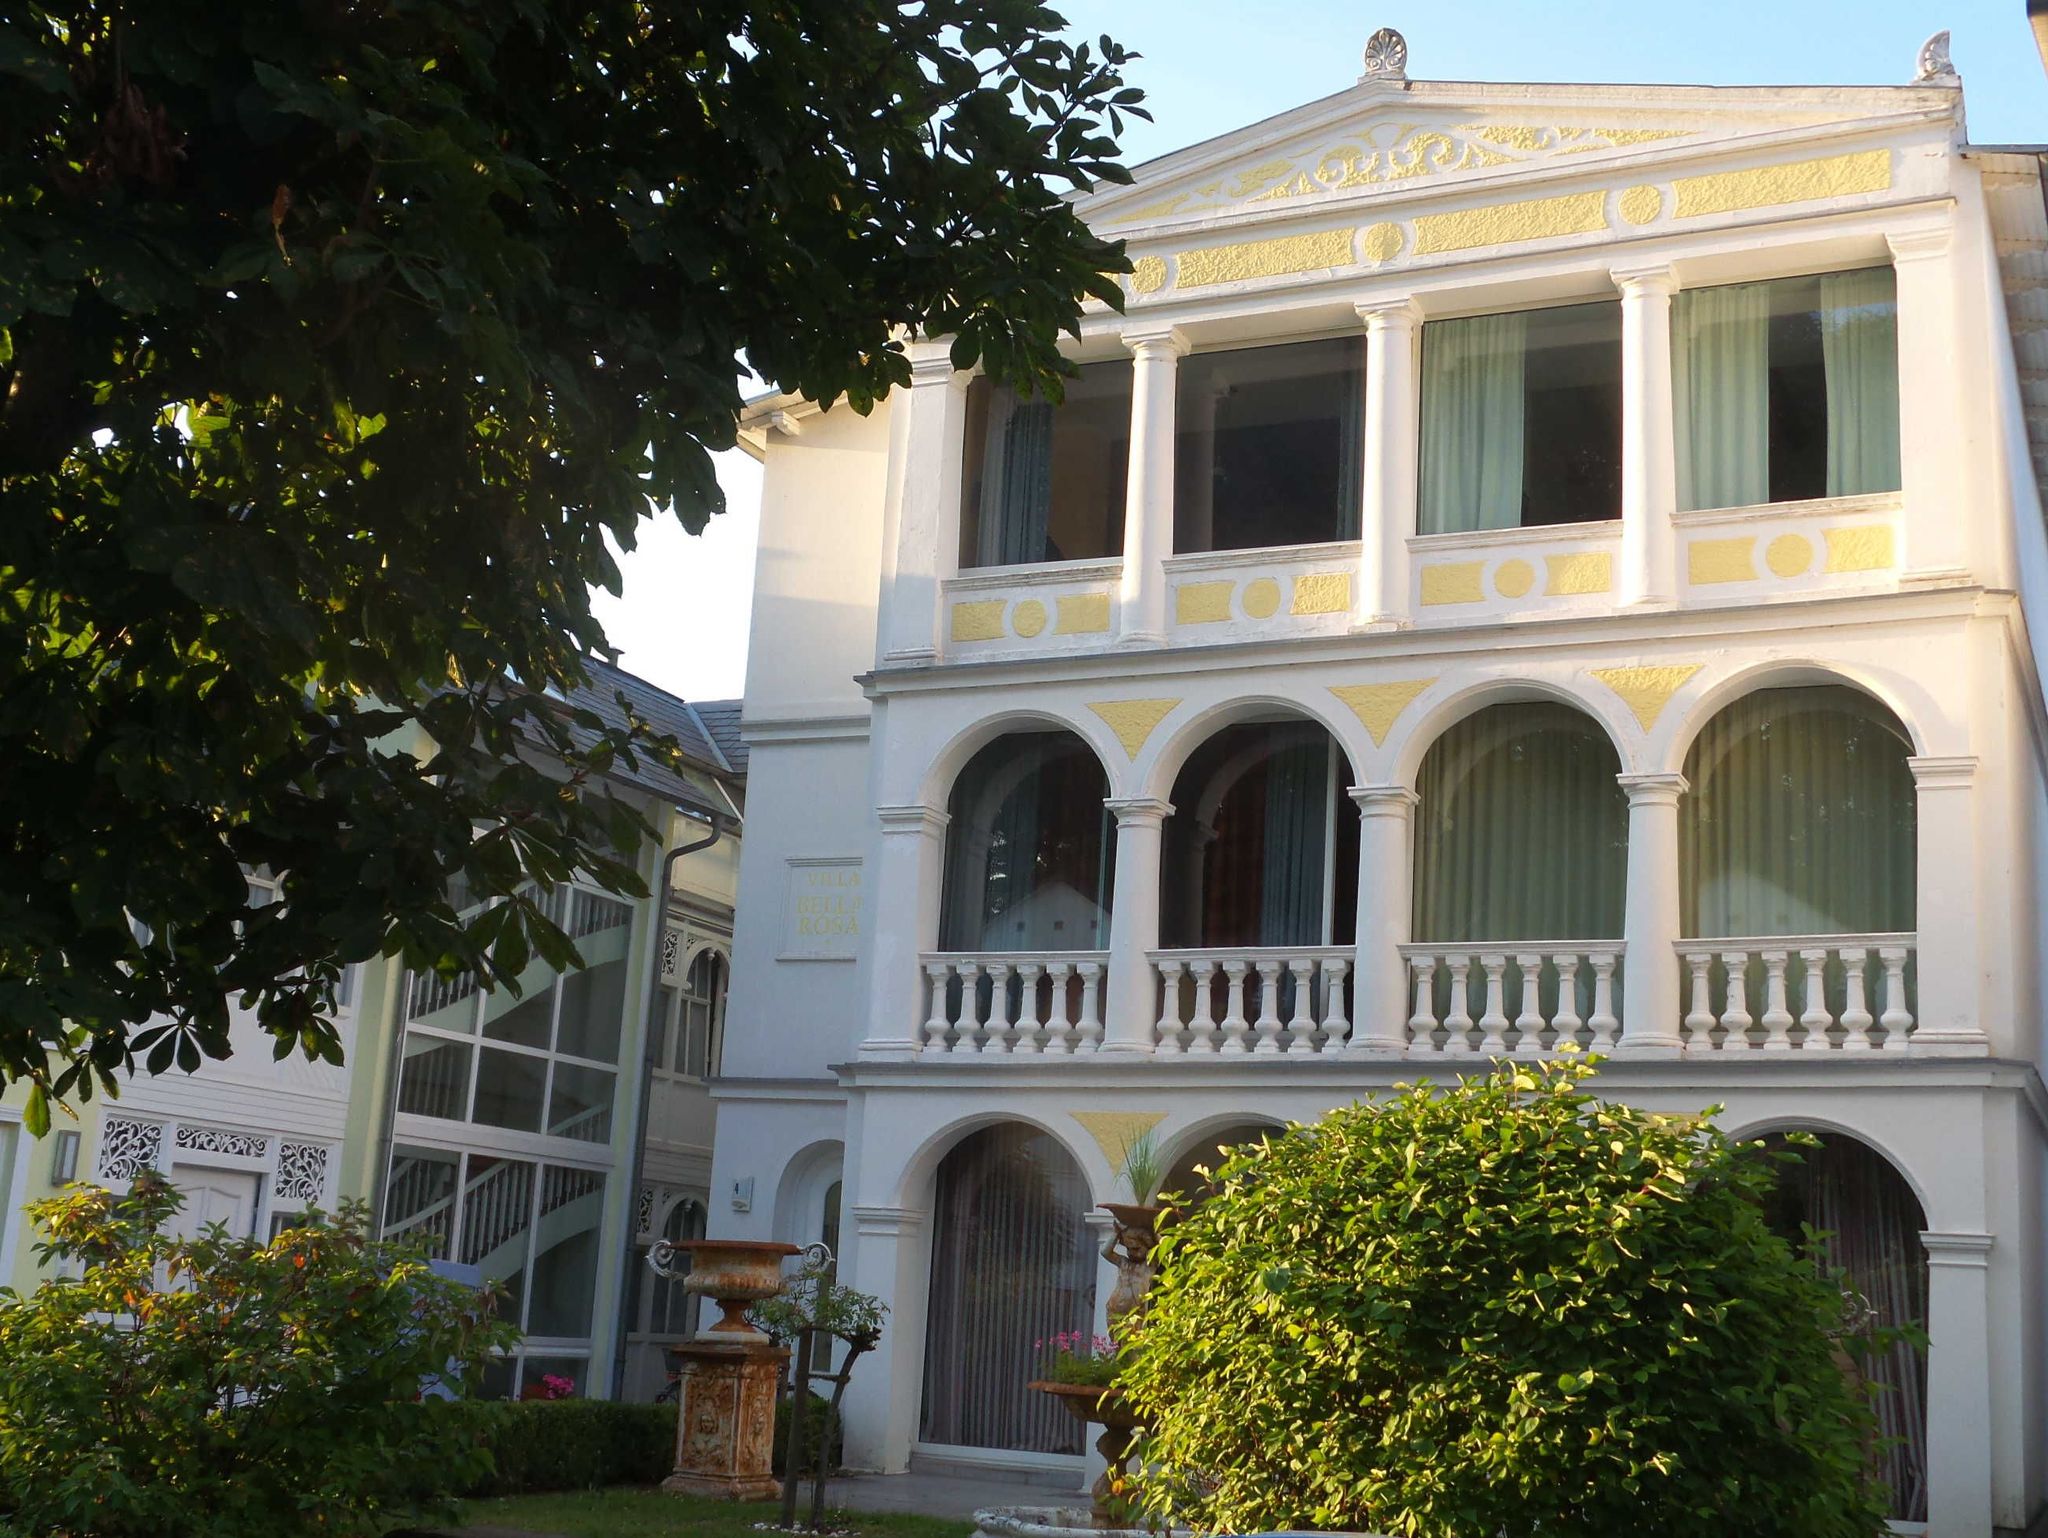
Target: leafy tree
229	1387
1500	1307
340	340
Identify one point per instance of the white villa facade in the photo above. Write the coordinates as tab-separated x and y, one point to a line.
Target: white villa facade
1533	565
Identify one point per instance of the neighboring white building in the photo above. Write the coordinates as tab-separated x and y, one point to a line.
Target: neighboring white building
1533	562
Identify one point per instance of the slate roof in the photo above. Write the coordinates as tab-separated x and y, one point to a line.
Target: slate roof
721	719
709	779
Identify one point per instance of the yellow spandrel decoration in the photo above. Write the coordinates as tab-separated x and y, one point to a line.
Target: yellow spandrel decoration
1647	690
1378	706
1115	1131
1133	721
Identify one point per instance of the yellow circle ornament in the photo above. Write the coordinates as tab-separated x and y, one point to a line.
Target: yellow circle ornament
1789	555
1028	618
1262	598
1383	242
1513	579
1639	205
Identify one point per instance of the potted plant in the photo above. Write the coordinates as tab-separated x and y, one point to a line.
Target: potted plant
1136	1234
1079	1370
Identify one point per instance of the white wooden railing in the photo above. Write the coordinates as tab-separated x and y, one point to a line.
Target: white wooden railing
1014	1004
1758	994
1505	998
1292	1000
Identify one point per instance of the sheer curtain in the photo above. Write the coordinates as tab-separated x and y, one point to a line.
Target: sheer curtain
1800	819
1351	447
1859	337
1297	824
1016	487
1011	1265
1028	848
1721	369
1472	423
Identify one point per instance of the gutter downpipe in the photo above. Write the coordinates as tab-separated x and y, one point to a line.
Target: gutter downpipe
647	1052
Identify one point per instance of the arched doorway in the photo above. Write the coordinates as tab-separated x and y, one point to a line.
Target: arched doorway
1011	1266
1186	1178
1521	873
1258	886
1869	1224
1798	857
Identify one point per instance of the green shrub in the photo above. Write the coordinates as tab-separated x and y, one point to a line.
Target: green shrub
537	1445
223	1386
821	1413
1499	1308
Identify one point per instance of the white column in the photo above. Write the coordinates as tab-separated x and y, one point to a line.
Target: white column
1649	458
1379	994
1959	1429
1933	434
1649	970
1951	971
1387	514
1148	499
927	548
1101	1229
905	883
1130	1004
888	1258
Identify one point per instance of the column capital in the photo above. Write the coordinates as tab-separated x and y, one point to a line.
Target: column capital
1646	278
1138	811
1383	800
1964	1250
1939	772
1918	245
1156	341
1653	789
935	367
927	821
1398	314
887	1222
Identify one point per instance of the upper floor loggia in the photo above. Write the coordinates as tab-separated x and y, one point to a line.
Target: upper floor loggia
1427	354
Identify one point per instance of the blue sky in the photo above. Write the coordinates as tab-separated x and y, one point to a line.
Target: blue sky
1213	65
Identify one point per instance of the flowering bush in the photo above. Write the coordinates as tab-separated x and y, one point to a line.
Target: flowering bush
1073	1356
553	1386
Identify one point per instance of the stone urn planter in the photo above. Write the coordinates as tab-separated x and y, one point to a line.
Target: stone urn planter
735	1274
1094	1404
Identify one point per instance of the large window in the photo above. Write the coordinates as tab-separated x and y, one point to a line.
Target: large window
690	1036
1029	848
1270	446
1787	390
1521	419
1045	482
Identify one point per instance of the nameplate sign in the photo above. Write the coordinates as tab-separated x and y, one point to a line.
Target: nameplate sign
821	913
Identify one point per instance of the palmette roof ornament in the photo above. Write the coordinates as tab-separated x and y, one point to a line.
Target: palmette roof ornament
1386	57
1936	67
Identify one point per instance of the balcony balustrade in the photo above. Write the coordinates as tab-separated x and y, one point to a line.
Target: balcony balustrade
1013	1004
1760	994
1521	1000
1292	1001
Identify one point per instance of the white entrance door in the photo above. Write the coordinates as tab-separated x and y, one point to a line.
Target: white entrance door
227	1197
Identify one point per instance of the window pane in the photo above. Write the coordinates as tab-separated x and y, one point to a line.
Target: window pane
1270	446
592	1002
419	1197
509	1087
1044	482
534	1371
434	1080
696	1039
1028	849
1521	419
565	1261
522	1020
582	1103
1787	390
497	1212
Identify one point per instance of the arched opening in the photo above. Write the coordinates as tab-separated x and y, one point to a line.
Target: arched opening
1029	848
1521	872
659	1313
1011	1265
1798	856
1189	1178
1869	1224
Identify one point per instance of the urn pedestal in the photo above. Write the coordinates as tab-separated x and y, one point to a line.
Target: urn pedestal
729	1376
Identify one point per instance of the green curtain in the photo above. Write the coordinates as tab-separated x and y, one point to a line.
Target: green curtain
1016	485
1721	370
1859	338
1028	848
1351	445
1473	411
1297	821
1522	832
1800	820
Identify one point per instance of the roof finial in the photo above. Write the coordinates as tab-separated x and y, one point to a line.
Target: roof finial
1936	67
1386	57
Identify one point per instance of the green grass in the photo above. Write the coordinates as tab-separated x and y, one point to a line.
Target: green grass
648	1513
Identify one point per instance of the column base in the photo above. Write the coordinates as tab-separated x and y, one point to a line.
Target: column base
1127	1049
1648	1046
910	656
1375	1050
1381	624
1142	638
1928	1043
888	1051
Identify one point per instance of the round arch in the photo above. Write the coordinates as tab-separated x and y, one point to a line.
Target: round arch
1908	704
1824	1126
1160	767
1411	746
936	789
920	1171
1208	1138
801	1208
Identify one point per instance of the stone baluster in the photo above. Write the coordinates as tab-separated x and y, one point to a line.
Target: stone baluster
1699	1015
1422	1023
1235	1028
1814	1018
1269	1008
1027	1043
1856	1017
1493	1021
939	976
1168	1039
1336	1026
1602	1023
968	1038
1735	1019
1458	1021
1091	1007
1060	1039
1566	1024
997	1040
1529	1019
1777	1019
1897	1020
1301	1021
1202	1036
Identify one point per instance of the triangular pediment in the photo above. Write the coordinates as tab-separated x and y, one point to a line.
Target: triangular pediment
1376	140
